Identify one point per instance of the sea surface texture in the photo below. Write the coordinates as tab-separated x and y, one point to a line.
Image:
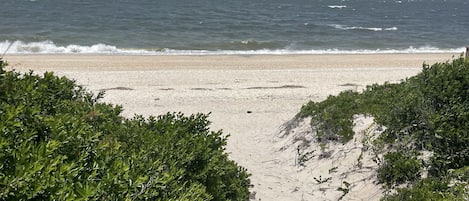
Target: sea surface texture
233	26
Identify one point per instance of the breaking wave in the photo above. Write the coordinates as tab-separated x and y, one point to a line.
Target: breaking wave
48	47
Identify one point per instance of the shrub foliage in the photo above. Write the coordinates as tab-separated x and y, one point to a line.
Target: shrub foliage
427	112
57	142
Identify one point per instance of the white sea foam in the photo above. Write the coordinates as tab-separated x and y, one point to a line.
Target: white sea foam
48	47
337	6
344	27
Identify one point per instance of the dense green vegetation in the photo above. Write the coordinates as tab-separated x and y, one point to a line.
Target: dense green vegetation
427	113
57	142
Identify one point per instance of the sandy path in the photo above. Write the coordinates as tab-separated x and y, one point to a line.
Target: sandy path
271	88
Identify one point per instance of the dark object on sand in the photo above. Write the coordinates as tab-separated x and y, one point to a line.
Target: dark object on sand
467	52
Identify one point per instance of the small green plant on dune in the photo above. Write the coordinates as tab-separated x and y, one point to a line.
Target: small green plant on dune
58	142
304	157
427	112
320	180
345	188
333	170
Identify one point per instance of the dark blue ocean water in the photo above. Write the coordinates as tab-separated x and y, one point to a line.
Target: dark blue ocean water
233	26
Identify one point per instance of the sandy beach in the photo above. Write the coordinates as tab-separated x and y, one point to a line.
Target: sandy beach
248	96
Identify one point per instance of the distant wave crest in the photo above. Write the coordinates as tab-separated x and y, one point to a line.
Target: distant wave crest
337	6
48	47
344	27
247	45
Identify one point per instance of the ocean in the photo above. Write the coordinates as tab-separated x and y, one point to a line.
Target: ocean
188	27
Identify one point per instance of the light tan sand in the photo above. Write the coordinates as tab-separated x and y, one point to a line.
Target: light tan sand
229	62
249	97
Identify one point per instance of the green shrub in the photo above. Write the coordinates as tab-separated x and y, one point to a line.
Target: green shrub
58	142
431	189
427	112
398	168
333	118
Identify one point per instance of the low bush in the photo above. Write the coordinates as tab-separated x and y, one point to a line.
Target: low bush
333	118
431	189
398	168
427	112
58	142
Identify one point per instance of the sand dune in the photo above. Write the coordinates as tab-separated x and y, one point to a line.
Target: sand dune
249	97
